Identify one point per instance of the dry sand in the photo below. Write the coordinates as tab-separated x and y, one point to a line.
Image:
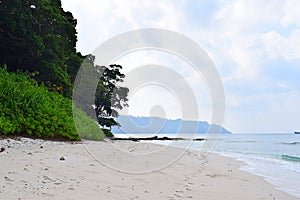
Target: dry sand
121	170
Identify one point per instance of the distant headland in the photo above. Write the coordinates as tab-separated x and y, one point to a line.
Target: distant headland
133	125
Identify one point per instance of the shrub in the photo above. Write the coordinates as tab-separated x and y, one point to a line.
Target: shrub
107	133
31	110
87	127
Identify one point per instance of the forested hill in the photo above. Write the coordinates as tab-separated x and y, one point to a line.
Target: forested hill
38	66
39	36
130	124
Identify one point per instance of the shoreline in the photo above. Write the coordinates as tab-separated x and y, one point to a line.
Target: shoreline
32	169
245	166
155	138
254	169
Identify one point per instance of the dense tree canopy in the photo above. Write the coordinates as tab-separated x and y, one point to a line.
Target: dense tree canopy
38	35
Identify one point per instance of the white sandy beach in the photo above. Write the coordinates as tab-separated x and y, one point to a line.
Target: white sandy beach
33	169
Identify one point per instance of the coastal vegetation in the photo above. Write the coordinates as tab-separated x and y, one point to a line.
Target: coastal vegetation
38	67
28	109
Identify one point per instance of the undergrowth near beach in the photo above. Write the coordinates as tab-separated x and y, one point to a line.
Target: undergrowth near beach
31	110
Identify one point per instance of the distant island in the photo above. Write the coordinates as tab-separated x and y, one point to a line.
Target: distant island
146	125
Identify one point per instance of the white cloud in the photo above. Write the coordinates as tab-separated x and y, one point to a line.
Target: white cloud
278	46
291	14
194	80
237	32
242	37
279	115
100	20
242	41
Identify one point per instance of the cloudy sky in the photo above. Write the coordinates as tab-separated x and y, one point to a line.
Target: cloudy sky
254	45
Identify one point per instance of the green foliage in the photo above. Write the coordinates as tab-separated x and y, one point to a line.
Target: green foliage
107	122
87	127
108	97
108	133
32	110
38	35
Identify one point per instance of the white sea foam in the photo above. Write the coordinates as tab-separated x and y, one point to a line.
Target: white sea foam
282	174
274	157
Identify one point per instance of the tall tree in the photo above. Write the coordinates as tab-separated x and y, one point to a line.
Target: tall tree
110	96
38	35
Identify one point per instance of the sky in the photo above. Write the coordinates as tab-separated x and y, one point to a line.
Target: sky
254	45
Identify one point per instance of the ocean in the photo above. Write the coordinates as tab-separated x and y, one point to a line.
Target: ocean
275	157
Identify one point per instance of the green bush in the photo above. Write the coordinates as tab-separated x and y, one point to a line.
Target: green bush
31	110
107	133
87	128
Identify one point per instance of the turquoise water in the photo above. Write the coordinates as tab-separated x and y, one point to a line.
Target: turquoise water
276	157
279	146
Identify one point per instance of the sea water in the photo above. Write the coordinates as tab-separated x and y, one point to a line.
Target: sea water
275	157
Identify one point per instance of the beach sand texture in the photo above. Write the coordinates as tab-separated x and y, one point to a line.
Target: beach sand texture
37	169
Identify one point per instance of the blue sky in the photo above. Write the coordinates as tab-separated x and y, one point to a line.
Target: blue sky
254	45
